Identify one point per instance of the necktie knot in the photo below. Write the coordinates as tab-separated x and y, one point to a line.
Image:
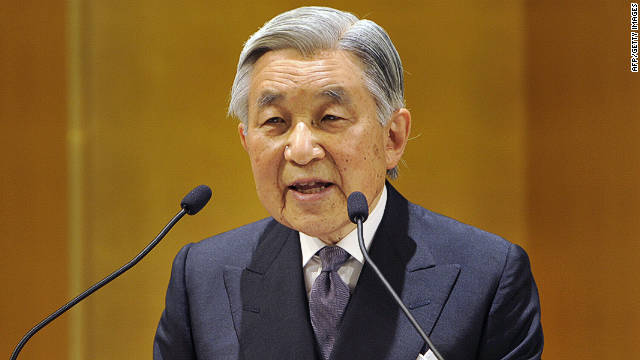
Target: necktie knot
332	257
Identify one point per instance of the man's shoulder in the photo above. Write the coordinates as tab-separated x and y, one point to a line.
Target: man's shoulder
453	241
234	247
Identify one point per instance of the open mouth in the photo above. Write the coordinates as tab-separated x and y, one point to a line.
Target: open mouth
313	187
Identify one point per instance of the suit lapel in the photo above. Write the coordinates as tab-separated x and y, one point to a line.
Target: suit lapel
374	327
269	302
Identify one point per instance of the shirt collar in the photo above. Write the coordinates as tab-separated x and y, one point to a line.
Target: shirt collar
310	245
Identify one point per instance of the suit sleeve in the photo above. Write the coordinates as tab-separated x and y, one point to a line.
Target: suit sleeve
173	336
513	330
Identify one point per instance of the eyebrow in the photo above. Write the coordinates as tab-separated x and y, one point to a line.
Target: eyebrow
337	95
268	98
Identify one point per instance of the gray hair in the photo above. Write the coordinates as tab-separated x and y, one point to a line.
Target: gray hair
310	29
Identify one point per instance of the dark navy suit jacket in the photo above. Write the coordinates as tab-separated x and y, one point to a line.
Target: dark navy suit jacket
241	295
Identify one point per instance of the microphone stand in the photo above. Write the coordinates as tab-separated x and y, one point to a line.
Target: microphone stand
98	285
395	296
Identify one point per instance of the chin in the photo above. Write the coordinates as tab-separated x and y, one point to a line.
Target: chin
322	229
310	228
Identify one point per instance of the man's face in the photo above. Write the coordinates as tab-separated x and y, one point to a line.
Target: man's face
313	137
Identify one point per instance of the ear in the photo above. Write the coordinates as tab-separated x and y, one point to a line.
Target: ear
243	136
397	131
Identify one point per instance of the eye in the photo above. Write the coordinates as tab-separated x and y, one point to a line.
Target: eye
274	121
330	117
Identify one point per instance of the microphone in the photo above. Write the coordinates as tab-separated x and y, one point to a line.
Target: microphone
193	202
196	199
358	211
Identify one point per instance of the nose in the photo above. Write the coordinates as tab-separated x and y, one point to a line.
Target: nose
302	147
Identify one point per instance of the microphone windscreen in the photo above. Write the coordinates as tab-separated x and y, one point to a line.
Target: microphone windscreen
357	207
196	199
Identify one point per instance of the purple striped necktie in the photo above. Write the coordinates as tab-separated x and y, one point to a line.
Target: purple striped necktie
329	298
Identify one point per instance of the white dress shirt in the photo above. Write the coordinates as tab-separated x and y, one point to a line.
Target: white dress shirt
350	271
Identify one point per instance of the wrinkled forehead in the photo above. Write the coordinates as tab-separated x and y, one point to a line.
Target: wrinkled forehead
330	73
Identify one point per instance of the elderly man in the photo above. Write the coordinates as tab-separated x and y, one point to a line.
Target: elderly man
319	95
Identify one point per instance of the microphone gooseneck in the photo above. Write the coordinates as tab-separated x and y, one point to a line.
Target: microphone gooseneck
193	202
358	211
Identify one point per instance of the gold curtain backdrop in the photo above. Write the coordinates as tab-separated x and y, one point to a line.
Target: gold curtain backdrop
525	118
